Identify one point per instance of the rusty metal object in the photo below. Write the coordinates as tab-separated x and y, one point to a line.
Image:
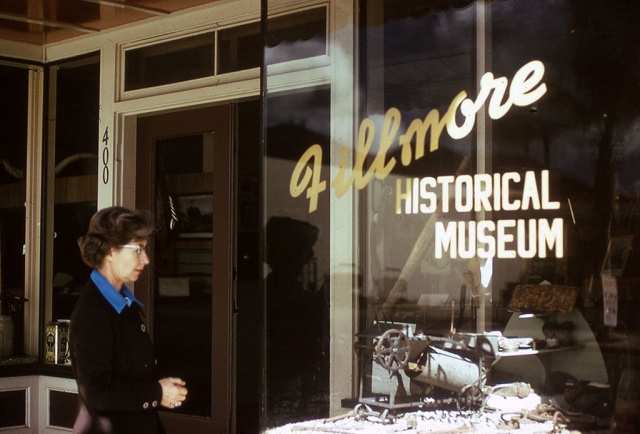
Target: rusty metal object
392	350
471	398
544	299
402	370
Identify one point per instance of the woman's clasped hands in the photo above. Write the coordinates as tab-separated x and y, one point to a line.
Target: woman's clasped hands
174	392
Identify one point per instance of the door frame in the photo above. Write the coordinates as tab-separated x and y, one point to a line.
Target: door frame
124	192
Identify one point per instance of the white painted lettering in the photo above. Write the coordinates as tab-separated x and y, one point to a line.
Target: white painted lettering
550	237
445	240
406	196
482	192
429	196
487	243
445	181
504	238
506	178
544	182
532	240
530	192
523	86
467	250
463	197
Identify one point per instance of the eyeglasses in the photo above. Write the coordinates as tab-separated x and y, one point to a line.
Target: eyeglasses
139	249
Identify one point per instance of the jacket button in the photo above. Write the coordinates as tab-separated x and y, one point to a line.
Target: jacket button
145	405
143	328
154	404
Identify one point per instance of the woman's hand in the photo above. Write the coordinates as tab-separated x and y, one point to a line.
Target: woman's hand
173	392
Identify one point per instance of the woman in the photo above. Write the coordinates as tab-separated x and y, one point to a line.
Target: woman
111	351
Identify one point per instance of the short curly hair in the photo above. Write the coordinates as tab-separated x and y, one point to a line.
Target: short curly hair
113	227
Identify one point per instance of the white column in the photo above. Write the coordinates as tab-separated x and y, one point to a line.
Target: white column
344	242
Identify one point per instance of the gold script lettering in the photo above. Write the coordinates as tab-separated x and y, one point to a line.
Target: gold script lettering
380	167
525	89
311	176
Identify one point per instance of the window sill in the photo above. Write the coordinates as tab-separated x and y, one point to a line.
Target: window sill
23	366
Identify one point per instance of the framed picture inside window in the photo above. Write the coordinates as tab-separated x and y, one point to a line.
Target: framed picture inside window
616	257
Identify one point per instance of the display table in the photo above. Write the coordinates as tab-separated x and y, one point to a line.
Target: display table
582	360
532	352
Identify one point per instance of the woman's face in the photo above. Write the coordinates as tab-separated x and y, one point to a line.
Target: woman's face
124	264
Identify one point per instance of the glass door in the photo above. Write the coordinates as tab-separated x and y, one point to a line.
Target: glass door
184	177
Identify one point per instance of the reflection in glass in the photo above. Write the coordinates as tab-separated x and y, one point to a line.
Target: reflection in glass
582	130
239	48
182	261
297	254
249	296
419	60
13	173
576	147
296	36
74	174
170	62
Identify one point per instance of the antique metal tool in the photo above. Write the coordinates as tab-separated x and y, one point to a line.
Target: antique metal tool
404	369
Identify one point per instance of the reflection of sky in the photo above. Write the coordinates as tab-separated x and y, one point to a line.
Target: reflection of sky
447	30
304	110
426	60
425	67
292	50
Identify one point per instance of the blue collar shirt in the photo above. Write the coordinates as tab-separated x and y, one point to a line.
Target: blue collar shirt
117	299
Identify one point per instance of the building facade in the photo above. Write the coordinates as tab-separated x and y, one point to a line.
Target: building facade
335	182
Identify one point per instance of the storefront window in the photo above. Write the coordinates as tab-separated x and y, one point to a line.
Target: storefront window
509	191
425	59
297	250
73	177
13	172
494	169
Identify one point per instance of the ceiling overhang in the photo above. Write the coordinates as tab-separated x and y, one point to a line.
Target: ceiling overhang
42	22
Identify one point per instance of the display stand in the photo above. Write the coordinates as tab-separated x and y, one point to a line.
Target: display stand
582	360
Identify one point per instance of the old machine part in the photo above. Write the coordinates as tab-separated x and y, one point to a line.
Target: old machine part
401	369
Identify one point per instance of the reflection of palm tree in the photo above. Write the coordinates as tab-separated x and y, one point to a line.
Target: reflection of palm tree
12	170
19	173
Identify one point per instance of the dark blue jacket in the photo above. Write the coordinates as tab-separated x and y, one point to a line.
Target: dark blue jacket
113	363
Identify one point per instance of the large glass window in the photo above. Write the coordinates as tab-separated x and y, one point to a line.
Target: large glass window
170	62
509	129
297	257
495	183
13	175
425	60
291	36
72	181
